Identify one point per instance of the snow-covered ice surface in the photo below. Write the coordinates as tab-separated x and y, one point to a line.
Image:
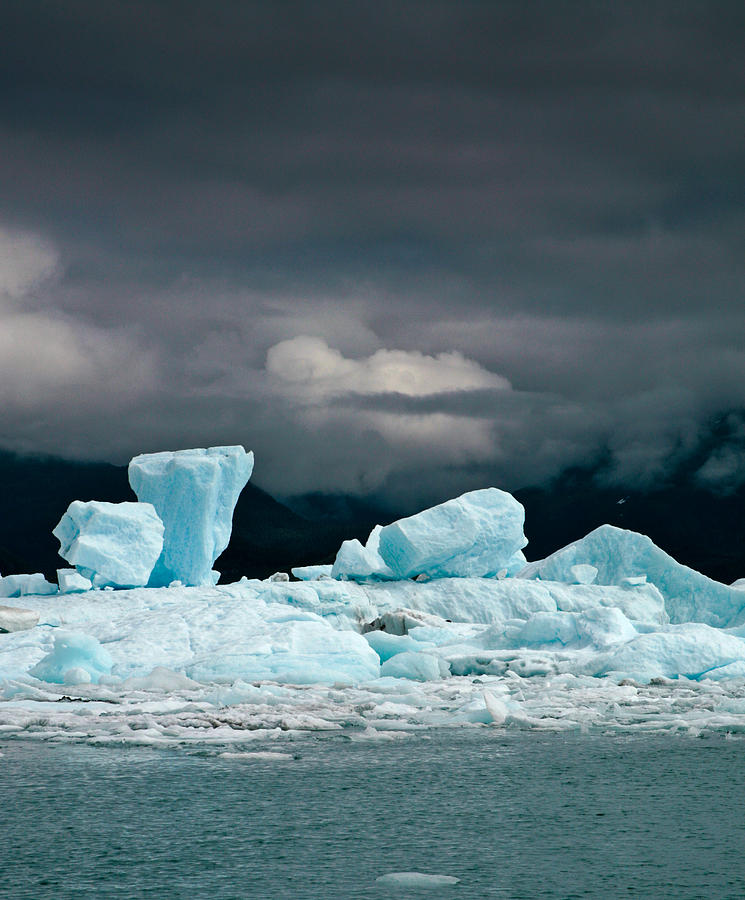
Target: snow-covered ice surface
254	665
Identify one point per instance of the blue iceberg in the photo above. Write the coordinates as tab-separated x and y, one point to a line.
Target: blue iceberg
475	535
194	492
111	544
624	558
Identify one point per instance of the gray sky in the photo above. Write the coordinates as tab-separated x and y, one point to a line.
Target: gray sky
395	248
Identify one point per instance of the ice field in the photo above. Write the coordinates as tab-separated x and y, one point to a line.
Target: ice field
437	621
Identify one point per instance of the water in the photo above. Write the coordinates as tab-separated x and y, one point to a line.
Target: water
513	815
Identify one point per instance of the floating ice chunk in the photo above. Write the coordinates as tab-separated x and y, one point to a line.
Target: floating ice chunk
70	581
583	573
739	584
357	563
194	493
416	880
619	555
496	708
251	755
15	619
25	585
311	573
476	534
114	544
416	666
72	655
690	650
388	645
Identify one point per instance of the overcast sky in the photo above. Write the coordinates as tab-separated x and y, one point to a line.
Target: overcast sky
397	248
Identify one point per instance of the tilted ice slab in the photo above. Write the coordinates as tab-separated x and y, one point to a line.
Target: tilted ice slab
619	554
194	492
476	534
114	544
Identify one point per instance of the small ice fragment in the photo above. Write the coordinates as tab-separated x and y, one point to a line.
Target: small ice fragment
77	675
415	666
24	585
257	754
584	573
496	708
70	581
279	576
631	580
15	619
311	573
416	880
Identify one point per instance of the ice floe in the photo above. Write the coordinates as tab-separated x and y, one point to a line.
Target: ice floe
437	621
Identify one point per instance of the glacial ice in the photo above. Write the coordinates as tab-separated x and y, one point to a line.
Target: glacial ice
13	618
73	659
356	562
114	544
417	666
609	632
312	573
21	585
476	534
619	554
70	581
194	492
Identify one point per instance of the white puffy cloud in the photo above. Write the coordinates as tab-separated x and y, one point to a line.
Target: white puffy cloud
307	364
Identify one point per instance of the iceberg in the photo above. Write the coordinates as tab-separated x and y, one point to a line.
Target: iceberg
194	492
23	585
111	544
474	535
355	562
624	557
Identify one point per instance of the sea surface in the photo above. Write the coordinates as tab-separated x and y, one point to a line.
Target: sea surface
512	815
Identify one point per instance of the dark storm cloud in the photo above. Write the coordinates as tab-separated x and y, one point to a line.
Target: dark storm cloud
554	190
